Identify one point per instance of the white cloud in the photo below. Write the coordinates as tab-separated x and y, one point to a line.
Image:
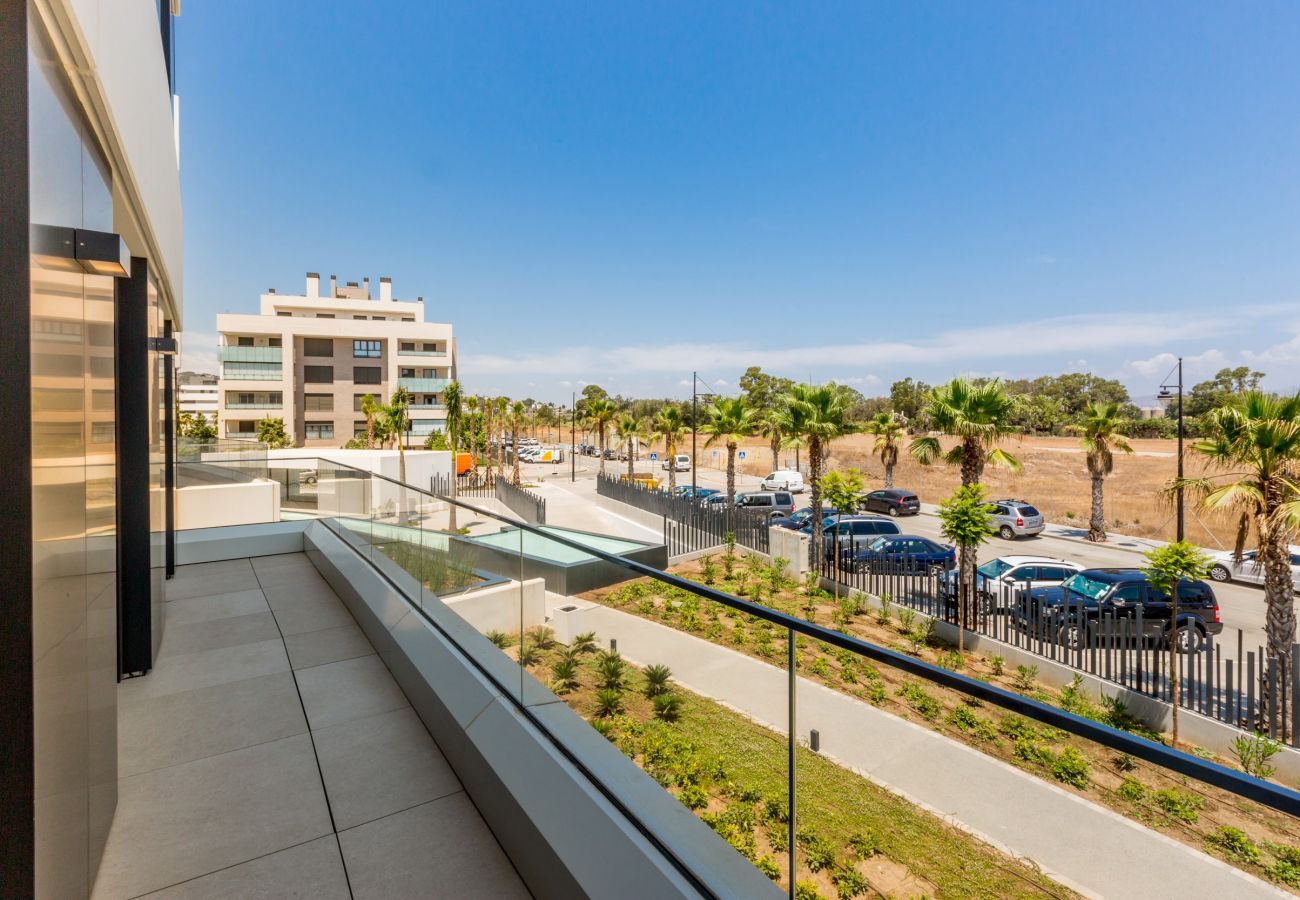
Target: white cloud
1043	260
1206	363
199	352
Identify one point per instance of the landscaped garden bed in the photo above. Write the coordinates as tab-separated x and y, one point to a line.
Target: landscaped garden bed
1245	834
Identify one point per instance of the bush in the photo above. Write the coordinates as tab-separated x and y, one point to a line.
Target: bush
668	707
656	680
1024	678
605	728
963	718
817	851
708	571
608	703
768	866
1286	870
1125	762
919	700
996	663
500	638
820	667
1132	790
884	611
1253	753
1179	804
611	672
849	883
865	844
876	693
951	659
906	621
1234	843
529	655
806	890
564	675
692	796
1070	767
541	637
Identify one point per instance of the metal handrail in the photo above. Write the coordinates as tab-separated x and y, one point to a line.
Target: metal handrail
1271	795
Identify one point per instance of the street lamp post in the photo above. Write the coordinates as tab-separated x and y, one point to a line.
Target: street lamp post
573	438
1166	394
695	415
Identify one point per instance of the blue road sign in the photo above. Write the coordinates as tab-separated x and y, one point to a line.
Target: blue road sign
740	455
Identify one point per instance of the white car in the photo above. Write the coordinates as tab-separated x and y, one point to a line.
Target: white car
1016	572
1249	570
784	480
680	462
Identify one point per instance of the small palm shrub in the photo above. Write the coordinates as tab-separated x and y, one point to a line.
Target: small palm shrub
541	637
611	673
529	655
608	703
585	642
667	707
499	638
656	680
564	675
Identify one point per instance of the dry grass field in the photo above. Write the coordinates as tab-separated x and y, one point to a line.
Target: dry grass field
1054	478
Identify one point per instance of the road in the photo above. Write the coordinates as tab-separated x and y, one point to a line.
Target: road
1241	606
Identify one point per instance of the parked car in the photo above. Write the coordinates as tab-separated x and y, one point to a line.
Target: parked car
800	517
784	480
610	453
773	504
892	501
1073	610
854	532
1015	573
902	554
1249	570
698	493
681	462
1016	518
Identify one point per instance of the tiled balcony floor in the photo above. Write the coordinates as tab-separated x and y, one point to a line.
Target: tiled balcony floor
270	754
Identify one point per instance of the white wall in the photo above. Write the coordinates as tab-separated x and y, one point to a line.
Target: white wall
219	505
498	608
421	465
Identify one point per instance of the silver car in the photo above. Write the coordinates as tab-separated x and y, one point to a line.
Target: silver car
1016	518
1249	570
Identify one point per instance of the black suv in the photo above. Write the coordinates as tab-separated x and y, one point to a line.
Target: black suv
892	501
855	532
1073	610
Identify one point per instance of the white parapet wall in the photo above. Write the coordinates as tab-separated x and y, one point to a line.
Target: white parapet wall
220	505
502	607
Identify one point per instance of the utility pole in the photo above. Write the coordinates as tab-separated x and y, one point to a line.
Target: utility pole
573	437
695	415
1180	450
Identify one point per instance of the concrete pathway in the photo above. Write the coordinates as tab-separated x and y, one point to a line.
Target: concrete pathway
1089	848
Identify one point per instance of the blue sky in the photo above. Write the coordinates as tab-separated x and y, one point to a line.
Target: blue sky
622	193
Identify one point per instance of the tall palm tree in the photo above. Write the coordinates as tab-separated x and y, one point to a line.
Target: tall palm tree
1255	443
630	429
452	400
503	411
772	426
727	419
819	414
888	431
979	414
397	421
600	412
518	416
369	406
669	426
1101	433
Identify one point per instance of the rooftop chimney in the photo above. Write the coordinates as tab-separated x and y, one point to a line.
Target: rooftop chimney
366	285
385	289
270	290
419	299
313	284
334	286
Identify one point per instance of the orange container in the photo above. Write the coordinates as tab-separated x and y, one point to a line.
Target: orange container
464	462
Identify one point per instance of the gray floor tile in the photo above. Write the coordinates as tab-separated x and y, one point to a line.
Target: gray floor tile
203	579
440	848
379	765
191	637
181	822
280	560
350	689
190	725
313	614
316	648
204	668
303	589
287	574
217	606
310	871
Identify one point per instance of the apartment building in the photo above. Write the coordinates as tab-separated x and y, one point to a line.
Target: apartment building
197	394
91	295
311	359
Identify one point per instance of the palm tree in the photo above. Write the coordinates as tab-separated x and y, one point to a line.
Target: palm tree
629	429
726	420
369	406
819	414
670	427
503	408
517	418
451	399
1255	443
888	431
1101	433
979	414
772	427
600	412
397	421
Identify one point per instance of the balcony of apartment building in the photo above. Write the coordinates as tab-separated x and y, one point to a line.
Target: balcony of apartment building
251	359
422	348
423	380
237	400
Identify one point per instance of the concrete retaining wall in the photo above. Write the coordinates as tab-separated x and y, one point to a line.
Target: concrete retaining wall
640	516
502	607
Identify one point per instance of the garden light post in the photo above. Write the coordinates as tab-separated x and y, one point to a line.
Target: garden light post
1166	395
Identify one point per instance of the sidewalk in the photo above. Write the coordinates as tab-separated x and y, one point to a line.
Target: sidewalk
1082	845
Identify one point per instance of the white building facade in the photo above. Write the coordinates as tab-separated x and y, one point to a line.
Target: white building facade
196	394
311	359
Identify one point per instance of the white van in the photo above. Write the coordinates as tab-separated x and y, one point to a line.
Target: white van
681	462
784	480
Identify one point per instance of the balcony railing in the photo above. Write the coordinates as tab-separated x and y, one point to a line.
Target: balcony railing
256	404
250	354
428	407
424	385
401	352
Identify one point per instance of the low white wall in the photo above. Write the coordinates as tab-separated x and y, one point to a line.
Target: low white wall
635	513
498	607
219	505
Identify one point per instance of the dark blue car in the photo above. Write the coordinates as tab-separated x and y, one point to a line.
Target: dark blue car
799	519
902	554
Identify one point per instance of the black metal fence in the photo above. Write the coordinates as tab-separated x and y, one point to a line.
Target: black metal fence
1219	675
525	504
690	526
466	486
